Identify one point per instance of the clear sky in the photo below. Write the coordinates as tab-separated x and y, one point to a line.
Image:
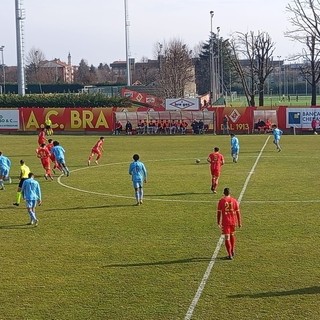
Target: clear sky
94	29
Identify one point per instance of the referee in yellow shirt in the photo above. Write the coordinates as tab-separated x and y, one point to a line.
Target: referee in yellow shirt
24	172
48	126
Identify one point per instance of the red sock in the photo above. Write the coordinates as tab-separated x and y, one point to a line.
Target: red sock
228	246
214	183
232	242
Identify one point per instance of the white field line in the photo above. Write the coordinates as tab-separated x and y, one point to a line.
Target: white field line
206	275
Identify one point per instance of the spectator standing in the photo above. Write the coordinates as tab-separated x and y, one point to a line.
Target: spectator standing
225	125
314	124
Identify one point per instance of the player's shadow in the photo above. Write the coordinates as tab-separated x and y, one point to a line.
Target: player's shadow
158	263
270	294
174	194
90	207
16	226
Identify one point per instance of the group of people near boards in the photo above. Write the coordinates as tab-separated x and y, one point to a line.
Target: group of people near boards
161	127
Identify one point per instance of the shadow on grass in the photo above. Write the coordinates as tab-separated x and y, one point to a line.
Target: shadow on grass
269	294
174	194
17	226
157	263
92	207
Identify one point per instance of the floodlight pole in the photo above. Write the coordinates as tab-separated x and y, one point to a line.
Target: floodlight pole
127	24
213	93
3	70
20	56
279	57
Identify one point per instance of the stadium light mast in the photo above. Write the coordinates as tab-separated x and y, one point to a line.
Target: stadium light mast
20	47
213	94
3	70
127	24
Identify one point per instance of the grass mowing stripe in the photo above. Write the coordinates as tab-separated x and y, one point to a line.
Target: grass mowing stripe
206	275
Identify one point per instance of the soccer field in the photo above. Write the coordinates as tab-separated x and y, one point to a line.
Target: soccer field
95	255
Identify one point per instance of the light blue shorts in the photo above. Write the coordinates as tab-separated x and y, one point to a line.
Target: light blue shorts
31	203
137	184
4	172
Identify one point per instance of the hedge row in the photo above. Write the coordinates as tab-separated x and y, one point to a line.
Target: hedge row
62	100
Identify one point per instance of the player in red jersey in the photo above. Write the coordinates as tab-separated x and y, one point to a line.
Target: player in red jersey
56	165
42	137
44	155
228	218
216	160
97	149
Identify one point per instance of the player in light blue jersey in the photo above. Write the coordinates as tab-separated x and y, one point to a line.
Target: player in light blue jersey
277	133
58	153
138	172
5	165
31	193
235	147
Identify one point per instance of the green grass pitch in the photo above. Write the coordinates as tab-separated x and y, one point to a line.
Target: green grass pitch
95	255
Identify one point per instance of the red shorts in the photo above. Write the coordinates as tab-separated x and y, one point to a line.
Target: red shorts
45	163
215	173
96	151
228	229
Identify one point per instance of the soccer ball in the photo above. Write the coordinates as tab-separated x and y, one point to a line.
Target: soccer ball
197	160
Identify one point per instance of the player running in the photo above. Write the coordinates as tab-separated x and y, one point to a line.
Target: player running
31	193
235	147
24	173
96	149
5	165
58	153
228	218
277	133
138	172
44	155
52	157
216	160
42	137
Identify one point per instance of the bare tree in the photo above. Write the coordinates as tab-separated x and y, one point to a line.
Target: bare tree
146	71
264	48
176	68
251	57
305	22
83	73
33	62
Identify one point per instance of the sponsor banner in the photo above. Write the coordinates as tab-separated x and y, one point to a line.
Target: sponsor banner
183	104
141	97
9	119
301	117
239	119
68	119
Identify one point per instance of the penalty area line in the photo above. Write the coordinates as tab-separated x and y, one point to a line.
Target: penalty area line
206	275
